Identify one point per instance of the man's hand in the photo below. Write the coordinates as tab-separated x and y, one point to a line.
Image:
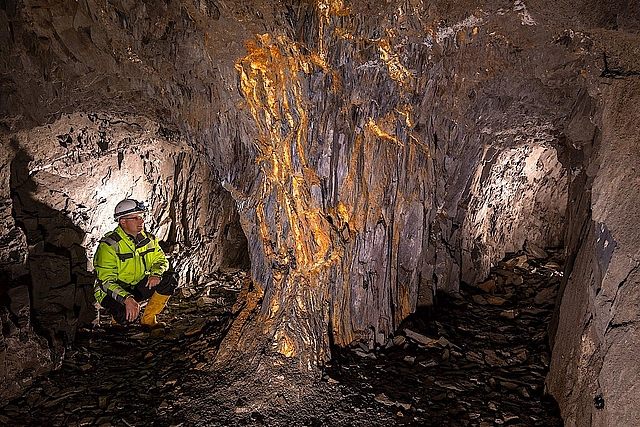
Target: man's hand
152	281
132	307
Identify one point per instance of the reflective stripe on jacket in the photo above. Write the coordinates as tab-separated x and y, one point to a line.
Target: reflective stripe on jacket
120	264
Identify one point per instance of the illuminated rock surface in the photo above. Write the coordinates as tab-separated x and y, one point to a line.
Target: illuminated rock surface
372	153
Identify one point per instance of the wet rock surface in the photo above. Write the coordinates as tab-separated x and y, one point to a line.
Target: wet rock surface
479	359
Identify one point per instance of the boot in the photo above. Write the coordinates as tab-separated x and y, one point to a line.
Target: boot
154	306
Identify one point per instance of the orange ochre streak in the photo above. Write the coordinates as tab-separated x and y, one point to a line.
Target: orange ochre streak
270	81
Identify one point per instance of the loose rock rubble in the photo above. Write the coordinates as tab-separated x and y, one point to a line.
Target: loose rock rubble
130	376
478	359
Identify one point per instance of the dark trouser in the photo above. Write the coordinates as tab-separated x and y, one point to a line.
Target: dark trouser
167	286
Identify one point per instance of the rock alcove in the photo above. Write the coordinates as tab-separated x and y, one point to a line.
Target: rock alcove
358	157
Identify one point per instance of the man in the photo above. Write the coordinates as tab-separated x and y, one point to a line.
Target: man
131	267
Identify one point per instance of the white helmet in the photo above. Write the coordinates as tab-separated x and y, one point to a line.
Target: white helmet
129	206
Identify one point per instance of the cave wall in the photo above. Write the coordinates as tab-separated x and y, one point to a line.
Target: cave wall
376	152
594	370
518	197
62	182
372	144
412	130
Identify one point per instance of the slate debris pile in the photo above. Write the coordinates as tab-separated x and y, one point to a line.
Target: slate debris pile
480	359
115	376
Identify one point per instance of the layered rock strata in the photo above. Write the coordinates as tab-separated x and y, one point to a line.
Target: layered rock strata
376	153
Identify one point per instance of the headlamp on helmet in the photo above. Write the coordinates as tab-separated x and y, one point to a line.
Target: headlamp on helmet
128	207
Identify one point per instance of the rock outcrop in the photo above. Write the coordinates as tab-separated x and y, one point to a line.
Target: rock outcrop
374	154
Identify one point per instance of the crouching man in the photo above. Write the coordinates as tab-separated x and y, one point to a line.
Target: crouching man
131	268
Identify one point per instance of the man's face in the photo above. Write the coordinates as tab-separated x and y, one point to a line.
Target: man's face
132	224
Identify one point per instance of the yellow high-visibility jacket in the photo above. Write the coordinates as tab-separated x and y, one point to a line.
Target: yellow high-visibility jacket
120	264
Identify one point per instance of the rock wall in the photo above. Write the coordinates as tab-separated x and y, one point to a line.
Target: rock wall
518	196
416	132
62	183
368	145
594	370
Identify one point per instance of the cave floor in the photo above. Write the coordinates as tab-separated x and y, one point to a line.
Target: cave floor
478	359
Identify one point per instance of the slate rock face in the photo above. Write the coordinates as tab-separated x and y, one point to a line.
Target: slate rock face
64	181
518	195
373	154
593	359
